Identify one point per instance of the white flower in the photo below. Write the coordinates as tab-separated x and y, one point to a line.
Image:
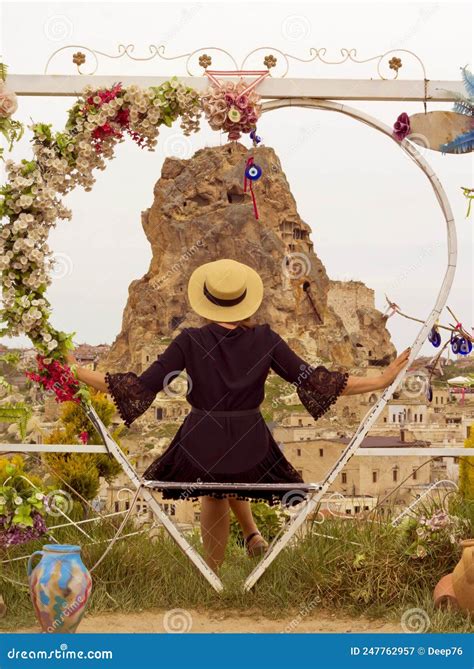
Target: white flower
18	501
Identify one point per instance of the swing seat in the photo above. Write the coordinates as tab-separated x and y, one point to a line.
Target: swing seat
232	487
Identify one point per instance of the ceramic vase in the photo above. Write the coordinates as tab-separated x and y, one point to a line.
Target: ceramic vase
60	586
463	576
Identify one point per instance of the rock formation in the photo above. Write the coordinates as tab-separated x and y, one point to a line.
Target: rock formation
200	213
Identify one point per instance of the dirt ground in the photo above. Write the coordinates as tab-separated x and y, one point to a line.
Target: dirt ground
159	621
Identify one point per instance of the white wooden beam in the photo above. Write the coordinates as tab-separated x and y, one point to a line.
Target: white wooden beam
428	452
410	90
53	448
100	448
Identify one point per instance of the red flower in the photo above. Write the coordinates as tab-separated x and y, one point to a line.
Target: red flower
55	377
84	436
401	127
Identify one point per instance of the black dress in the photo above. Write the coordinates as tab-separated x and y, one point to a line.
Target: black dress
226	371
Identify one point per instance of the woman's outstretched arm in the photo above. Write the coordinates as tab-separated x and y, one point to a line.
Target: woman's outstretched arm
360	384
90	377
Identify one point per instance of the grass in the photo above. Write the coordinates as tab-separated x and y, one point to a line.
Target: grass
363	569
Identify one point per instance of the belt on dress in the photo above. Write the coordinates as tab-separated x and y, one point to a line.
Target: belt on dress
238	412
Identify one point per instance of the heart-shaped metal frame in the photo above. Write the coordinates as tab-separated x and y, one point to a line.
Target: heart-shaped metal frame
369	419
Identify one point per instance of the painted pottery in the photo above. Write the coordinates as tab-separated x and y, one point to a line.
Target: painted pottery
60	586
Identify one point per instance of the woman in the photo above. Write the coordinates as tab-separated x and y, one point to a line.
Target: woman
224	438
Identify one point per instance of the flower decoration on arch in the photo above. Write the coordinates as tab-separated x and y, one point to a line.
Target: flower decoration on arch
31	199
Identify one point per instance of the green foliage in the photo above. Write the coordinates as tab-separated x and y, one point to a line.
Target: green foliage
81	471
20	493
77	473
269	521
350	567
466	470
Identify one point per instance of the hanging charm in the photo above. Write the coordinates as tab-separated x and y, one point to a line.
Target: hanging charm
253	172
233	107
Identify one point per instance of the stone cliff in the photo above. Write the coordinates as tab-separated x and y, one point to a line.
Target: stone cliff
200	213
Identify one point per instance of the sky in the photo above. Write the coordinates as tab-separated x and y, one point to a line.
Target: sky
373	214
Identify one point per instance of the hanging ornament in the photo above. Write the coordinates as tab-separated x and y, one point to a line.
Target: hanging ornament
255	138
434	337
233	107
465	346
429	392
253	172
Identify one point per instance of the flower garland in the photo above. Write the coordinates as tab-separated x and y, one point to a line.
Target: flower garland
31	198
12	130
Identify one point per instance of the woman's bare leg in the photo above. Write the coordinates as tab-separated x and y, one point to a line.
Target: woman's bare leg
214	529
243	512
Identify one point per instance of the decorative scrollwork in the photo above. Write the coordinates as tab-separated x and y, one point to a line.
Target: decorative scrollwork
388	64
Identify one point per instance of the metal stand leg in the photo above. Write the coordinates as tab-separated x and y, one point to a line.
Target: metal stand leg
309	506
155	507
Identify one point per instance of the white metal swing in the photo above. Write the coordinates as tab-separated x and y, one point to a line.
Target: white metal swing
312	91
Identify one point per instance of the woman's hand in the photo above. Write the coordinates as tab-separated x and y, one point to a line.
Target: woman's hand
393	369
70	359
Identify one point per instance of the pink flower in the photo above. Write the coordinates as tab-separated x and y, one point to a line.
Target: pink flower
8	102
84	436
242	102
401	127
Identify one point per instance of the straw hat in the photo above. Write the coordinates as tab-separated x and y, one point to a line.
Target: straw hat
225	290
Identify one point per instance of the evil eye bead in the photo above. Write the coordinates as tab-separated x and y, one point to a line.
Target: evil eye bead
465	346
434	337
234	115
253	172
429	393
255	137
455	345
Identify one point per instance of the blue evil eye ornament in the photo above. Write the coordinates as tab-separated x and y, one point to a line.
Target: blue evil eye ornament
254	137
434	337
465	346
455	344
253	172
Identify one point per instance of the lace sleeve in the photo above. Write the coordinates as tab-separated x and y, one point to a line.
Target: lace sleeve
130	395
321	388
